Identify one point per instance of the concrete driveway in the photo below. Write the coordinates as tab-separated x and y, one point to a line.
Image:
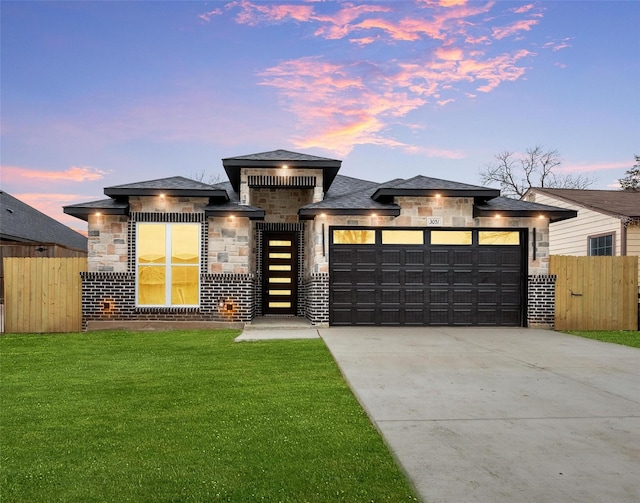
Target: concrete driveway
500	415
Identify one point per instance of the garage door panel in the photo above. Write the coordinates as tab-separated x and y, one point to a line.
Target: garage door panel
462	277
390	276
365	316
414	277
391	257
365	296
456	284
365	257
414	257
439	257
413	297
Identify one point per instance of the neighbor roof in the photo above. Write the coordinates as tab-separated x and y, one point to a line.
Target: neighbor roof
278	158
618	203
21	222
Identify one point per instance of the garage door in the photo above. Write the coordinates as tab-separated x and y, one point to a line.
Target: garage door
426	276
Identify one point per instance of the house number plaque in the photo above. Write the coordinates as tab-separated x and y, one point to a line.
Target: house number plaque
434	221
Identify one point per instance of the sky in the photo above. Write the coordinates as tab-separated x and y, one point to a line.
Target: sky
95	94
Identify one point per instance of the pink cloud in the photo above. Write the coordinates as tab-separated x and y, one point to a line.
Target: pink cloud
557	46
73	174
514	28
450	46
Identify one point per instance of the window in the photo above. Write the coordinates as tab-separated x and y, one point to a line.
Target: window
601	245
498	238
168	264
450	237
402	237
354	237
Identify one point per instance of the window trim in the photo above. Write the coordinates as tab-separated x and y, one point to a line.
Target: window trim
168	265
602	235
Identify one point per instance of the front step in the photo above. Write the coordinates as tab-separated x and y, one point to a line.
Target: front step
278	323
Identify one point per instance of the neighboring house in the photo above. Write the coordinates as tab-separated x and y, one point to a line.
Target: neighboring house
26	232
288	236
608	221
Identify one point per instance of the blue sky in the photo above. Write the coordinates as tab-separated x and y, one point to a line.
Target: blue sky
95	94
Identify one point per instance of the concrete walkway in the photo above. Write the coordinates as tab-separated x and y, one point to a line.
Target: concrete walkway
271	328
500	415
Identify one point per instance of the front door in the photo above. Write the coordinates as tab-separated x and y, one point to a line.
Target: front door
279	273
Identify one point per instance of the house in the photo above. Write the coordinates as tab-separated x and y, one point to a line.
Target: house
26	232
287	235
608	221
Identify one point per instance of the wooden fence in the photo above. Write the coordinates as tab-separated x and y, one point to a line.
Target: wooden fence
595	293
43	294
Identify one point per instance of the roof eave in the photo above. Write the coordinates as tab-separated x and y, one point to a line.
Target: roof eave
83	212
252	214
311	213
389	193
116	192
554	216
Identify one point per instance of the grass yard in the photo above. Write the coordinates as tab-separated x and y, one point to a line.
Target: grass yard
624	337
184	416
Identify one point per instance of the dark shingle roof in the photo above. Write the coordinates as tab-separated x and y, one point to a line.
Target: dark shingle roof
21	222
173	186
518	208
619	203
349	196
426	186
278	158
106	206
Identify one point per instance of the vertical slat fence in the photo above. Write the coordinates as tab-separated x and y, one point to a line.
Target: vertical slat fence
595	293
43	294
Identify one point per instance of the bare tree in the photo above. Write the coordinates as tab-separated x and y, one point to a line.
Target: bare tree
631	182
200	177
515	172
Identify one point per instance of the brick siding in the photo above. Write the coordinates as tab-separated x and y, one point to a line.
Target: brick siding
541	301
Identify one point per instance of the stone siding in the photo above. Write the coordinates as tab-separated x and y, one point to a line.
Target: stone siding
108	243
229	245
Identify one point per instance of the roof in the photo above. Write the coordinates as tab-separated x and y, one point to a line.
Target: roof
21	222
278	159
421	186
351	196
173	186
618	203
518	208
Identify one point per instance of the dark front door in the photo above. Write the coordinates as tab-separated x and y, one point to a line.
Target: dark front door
279	273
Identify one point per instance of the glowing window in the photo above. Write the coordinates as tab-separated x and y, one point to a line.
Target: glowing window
279	280
279	255
274	267
354	237
402	237
498	237
279	292
450	237
168	264
276	242
280	304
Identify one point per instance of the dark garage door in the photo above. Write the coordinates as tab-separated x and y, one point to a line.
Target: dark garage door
426	277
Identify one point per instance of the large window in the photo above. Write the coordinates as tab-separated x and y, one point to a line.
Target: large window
168	264
601	245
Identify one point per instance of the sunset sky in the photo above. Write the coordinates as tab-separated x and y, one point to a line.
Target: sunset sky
95	94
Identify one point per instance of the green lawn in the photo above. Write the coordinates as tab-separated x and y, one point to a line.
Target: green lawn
184	417
624	337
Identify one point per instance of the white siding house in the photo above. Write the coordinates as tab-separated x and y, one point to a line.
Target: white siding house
608	221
